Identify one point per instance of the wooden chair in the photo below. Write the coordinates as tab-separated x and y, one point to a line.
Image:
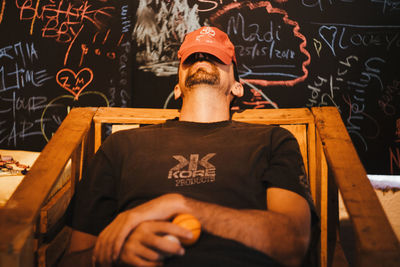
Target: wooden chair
31	224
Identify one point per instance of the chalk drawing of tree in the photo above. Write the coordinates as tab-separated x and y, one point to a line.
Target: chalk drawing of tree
159	31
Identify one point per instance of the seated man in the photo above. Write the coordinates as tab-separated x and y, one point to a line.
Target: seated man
244	182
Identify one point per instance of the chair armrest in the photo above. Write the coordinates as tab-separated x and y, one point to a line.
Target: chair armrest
19	215
376	242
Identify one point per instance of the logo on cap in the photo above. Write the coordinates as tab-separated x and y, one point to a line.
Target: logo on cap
206	31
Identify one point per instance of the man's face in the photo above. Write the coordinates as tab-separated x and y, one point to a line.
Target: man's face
201	69
204	69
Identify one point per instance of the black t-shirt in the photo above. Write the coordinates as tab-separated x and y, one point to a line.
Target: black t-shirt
227	163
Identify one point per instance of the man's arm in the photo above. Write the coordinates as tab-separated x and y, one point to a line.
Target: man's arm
80	250
282	232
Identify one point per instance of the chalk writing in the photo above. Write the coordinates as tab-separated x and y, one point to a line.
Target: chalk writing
349	96
238	24
17	103
64	21
355	99
253	71
11	135
210	5
259	92
74	82
256	101
58	108
324	88
123	61
269	41
123	81
323	98
388	5
12	75
20	77
345	36
386	100
21	51
74	34
20	70
3	7
252	33
85	49
322	3
394	159
125	19
61	19
384	5
394	152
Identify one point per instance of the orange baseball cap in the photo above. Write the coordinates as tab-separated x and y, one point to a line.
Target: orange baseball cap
209	40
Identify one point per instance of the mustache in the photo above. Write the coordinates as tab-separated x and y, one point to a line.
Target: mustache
201	76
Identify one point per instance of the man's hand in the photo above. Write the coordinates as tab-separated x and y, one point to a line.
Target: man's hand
112	238
147	245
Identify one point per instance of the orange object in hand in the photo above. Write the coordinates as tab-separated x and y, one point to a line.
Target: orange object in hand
189	222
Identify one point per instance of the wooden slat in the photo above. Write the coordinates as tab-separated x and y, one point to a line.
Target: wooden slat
19	214
49	254
322	204
88	146
319	189
54	210
313	159
300	132
137	115
275	116
97	134
332	210
120	127
376	242
151	116
77	165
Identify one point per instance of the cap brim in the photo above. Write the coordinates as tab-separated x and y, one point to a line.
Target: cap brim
215	51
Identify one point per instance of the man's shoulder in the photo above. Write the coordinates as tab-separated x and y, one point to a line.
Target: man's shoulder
138	129
270	129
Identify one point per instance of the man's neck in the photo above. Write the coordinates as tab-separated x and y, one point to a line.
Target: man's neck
203	106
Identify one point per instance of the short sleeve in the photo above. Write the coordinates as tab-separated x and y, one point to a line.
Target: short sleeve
94	204
285	164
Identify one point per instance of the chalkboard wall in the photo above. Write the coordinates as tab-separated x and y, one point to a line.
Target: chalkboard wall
56	55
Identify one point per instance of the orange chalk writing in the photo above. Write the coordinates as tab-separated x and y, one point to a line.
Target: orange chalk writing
62	19
3	7
296	32
74	82
394	159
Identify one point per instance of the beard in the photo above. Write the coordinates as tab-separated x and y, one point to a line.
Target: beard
201	76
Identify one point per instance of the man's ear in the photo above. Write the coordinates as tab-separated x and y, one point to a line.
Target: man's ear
237	89
177	92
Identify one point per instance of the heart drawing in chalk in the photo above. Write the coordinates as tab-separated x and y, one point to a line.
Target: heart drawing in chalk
328	34
74	83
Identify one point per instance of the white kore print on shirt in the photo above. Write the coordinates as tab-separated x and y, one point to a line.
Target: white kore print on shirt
197	171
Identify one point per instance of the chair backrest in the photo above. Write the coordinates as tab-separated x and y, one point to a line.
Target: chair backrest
31	222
